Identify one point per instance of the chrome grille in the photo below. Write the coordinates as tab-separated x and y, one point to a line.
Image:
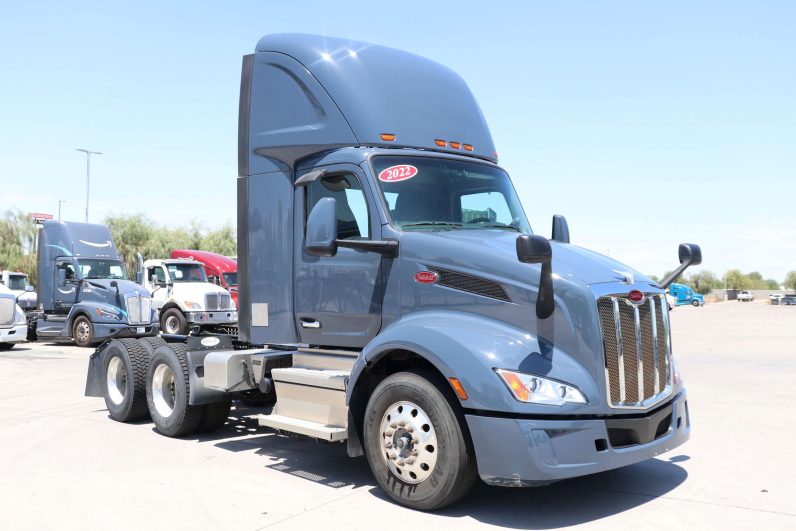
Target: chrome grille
636	349
217	301
7	305
138	309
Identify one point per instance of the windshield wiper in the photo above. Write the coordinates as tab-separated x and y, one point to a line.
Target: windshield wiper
454	226
500	226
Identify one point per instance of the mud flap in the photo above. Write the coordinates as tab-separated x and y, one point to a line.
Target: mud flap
94	385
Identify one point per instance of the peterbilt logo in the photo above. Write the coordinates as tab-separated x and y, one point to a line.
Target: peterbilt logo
636	297
426	277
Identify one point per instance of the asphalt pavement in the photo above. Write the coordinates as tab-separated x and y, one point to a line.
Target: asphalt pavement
65	465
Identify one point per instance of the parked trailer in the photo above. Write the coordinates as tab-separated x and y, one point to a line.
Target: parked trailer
394	298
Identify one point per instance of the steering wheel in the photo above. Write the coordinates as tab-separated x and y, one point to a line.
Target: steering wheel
478	220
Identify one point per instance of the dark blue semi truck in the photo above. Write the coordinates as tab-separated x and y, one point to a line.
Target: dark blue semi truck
84	294
393	296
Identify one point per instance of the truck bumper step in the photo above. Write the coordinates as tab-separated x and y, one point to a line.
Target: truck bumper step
309	428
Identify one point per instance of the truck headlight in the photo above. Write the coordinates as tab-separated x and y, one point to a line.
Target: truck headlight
193	305
676	379
537	390
108	314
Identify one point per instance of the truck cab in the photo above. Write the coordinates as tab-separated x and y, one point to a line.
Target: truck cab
18	284
84	293
184	298
685	295
394	296
220	270
13	323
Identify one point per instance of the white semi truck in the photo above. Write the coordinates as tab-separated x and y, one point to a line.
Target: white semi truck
185	298
17	283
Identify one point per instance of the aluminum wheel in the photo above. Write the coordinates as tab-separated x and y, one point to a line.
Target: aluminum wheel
116	380
172	325
82	331
410	442
163	390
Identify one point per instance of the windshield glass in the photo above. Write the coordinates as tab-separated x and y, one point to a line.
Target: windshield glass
17	282
187	272
231	279
92	268
427	193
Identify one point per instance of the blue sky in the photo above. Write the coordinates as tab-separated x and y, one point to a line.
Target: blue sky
646	124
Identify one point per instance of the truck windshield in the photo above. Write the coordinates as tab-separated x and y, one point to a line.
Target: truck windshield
231	279
93	268
428	193
17	282
187	272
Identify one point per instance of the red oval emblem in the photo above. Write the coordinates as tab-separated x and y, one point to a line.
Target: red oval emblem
426	277
393	174
635	296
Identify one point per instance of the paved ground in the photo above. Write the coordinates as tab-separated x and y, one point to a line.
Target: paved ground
65	465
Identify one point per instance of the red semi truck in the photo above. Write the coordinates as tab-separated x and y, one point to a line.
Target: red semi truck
220	270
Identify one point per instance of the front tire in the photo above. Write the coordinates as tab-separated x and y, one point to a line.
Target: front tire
125	369
695	303
173	322
168	392
415	444
82	331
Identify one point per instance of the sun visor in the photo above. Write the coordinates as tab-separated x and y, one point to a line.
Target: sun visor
310	91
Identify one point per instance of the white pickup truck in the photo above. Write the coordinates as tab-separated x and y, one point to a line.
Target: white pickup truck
745	296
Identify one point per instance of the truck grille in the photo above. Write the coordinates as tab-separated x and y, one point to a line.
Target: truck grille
138	309
7	305
217	301
637	350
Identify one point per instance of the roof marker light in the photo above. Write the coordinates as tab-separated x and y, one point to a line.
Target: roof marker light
468	147
440	142
387	137
455	145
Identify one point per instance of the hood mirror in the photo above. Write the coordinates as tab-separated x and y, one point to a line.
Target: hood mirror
535	249
560	229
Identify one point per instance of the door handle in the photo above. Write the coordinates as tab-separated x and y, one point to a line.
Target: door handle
310	323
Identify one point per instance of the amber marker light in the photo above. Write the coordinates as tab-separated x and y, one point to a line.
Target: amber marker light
387	137
457	386
468	147
455	145
440	142
518	389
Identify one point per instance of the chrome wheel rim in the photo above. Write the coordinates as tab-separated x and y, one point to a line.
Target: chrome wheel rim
172	324
82	331
116	380
409	442
163	394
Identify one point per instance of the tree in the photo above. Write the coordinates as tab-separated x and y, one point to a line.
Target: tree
772	284
704	281
790	280
736	280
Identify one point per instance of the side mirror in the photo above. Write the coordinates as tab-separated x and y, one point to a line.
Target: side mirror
322	228
30	289
560	229
61	277
690	254
534	249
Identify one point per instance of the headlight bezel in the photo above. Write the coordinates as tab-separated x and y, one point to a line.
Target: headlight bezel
540	390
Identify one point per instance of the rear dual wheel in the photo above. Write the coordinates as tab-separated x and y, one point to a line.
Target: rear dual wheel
124	367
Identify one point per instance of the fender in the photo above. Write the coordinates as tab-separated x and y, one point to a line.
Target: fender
469	347
89	309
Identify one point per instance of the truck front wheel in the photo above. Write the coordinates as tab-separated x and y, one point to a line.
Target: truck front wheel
173	322
82	332
168	392
695	303
415	444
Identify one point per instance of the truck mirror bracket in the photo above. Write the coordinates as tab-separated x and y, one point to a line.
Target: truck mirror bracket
689	254
386	248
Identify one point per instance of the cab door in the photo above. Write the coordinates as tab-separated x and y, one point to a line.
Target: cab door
338	299
67	285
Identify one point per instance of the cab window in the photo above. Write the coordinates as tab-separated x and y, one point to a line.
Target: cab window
352	208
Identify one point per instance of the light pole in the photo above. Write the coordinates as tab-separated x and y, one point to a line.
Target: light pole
88	172
59	208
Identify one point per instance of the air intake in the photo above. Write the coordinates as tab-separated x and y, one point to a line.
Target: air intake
471	284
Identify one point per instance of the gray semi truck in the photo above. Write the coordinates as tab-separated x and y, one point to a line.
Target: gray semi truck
394	298
84	294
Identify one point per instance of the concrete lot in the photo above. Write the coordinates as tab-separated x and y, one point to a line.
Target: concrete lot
65	465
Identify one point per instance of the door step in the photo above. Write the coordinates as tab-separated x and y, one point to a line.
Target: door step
338	360
314	395
304	427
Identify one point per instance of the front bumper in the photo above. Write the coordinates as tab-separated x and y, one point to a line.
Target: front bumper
523	452
14	334
118	330
217	317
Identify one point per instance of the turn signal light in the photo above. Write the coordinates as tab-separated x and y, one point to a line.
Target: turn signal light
439	142
387	137
468	147
455	145
457	386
